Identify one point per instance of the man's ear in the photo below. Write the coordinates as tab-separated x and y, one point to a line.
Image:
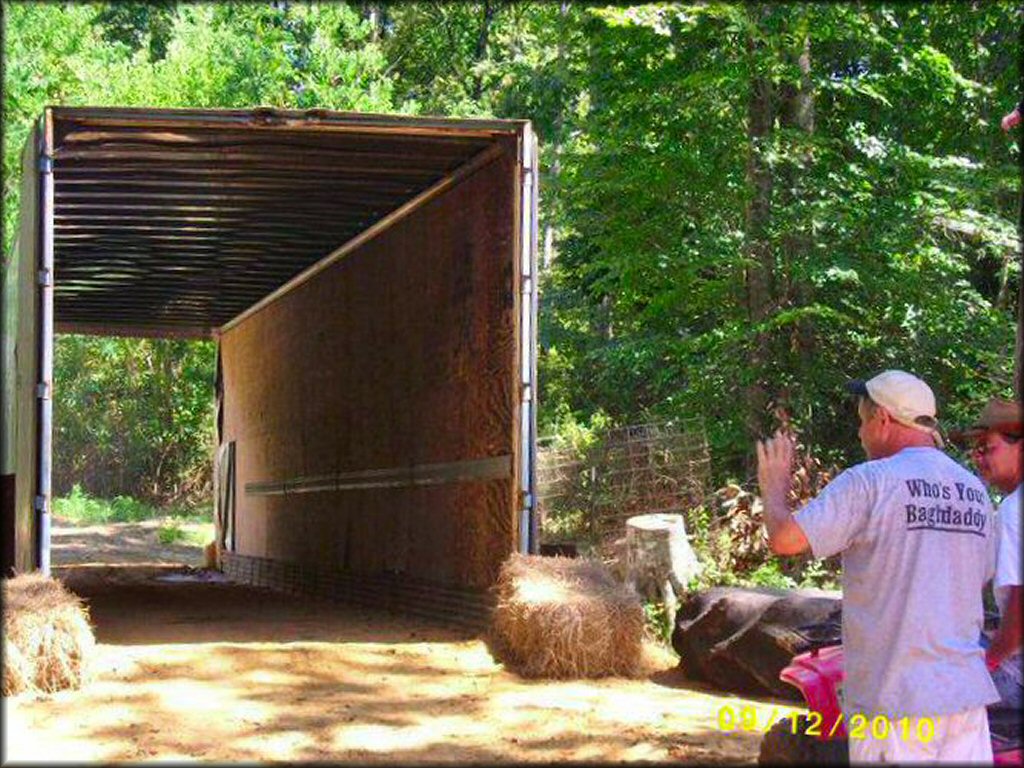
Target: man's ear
883	416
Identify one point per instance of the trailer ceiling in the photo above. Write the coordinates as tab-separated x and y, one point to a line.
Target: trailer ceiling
173	222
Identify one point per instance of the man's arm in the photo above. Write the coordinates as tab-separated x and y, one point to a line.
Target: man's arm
775	476
1008	637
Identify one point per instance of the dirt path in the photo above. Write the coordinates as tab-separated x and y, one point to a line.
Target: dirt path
117	543
200	670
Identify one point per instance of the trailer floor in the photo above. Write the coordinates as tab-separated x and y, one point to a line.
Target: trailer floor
199	670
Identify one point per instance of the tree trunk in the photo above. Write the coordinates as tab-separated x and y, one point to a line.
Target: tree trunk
796	114
481	48
759	271
377	18
1018	357
558	127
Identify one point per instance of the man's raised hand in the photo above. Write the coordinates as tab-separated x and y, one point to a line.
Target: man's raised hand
775	465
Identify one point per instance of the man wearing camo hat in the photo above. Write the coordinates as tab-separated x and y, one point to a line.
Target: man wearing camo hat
997	448
915	530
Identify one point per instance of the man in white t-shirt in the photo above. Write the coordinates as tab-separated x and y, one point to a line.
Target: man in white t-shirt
915	530
997	448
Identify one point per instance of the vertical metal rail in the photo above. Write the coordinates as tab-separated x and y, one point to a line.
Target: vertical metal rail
44	386
528	539
534	303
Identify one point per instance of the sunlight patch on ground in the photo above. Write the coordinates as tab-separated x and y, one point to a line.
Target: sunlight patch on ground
282	745
383	738
344	685
194	699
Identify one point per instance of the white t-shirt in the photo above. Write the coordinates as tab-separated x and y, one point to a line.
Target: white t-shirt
916	533
1008	567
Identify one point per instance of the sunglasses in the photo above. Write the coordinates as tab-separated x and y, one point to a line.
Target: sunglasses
982	450
985	448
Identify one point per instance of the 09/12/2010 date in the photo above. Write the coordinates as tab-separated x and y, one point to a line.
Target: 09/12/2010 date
746	718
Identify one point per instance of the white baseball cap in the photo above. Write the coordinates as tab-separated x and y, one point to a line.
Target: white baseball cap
907	399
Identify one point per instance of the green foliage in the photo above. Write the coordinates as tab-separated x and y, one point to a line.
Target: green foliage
137	25
178	525
770	575
656	623
890	226
79	508
574	440
185	531
134	416
579	436
714	545
822	574
565	525
170	533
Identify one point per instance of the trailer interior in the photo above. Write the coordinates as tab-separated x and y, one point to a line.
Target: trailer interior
370	282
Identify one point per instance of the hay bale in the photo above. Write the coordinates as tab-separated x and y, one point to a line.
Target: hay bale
48	640
561	617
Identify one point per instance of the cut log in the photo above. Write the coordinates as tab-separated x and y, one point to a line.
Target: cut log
659	558
710	616
739	639
782	632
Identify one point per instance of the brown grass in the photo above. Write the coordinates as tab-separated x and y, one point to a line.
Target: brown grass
47	639
558	617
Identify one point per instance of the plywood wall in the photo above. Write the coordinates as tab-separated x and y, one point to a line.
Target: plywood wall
402	354
19	360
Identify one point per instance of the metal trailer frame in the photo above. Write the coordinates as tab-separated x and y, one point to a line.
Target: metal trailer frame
44	388
529	524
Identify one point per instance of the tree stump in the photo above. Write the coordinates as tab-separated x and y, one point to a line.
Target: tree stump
659	559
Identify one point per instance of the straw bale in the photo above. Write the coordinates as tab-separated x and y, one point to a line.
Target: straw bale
48	639
560	617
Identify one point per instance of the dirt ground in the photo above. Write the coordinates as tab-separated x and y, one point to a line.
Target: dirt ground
198	670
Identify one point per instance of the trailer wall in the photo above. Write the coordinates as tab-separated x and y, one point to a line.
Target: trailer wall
18	378
374	408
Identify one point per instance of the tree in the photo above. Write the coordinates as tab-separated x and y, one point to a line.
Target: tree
837	250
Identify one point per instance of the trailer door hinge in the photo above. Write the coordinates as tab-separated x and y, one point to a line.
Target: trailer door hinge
44	277
43	390
40	504
527	500
46	164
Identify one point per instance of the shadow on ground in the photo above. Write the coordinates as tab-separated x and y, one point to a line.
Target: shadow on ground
230	673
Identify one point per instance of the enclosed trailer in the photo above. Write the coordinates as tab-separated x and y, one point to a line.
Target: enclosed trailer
371	284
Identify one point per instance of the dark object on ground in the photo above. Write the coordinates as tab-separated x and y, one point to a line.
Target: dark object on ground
781	746
559	550
1005	727
7	525
739	639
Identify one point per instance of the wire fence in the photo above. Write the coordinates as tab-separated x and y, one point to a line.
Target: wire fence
661	467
